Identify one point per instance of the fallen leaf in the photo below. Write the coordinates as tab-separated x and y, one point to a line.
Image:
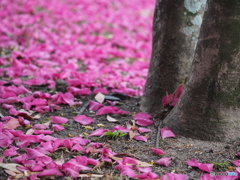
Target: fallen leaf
99	97
11	167
111	119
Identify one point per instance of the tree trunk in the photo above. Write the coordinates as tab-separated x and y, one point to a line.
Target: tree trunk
175	31
209	107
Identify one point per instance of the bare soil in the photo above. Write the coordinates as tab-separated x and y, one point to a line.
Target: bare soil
180	149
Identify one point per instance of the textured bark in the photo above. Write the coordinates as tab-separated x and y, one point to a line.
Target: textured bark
209	106
175	30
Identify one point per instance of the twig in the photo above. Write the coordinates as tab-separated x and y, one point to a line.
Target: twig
158	133
85	105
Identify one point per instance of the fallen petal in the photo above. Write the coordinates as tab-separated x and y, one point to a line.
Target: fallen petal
166	132
165	161
157	151
84	120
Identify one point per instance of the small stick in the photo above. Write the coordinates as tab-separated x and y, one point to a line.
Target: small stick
85	105
158	134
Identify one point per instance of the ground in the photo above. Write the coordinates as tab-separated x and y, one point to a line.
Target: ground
180	149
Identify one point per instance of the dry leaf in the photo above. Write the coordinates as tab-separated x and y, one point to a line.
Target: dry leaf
37	116
99	97
100	125
111	119
11	167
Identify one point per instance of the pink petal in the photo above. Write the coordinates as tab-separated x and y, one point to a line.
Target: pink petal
179	91
66	98
36	167
96	145
174	102
70	170
106	153
77	148
128	171
43	132
58	120
11	151
84	120
165	161
98	132
57	127
5	142
33	154
144	169
39	102
148	175
51	172
144	122
110	110
67	143
94	106
100	90
93	162
12	124
222	177
166	132
173	176
120	128
142	116
47	146
204	167
82	92
80	160
157	151
129	161
40	126
167	99
143	130
140	138
236	163
80	141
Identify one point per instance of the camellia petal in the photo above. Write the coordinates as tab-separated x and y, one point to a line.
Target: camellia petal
57	127
140	138
110	110
144	122
236	163
98	132
51	172
128	171
33	154
84	120
166	132
142	116
167	99
165	161
129	161
157	151
173	176
204	167
148	175
94	106
58	120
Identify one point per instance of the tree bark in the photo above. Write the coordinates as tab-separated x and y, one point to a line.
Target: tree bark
175	31
209	107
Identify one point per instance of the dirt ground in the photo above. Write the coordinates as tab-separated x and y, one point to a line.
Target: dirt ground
180	149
